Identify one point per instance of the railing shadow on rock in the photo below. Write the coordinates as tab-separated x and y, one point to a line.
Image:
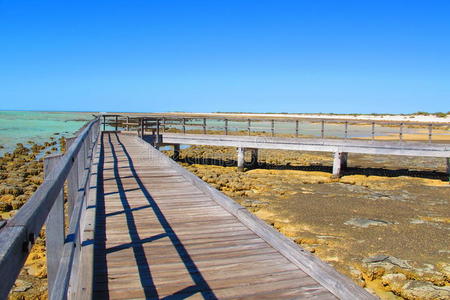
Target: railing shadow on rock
46	206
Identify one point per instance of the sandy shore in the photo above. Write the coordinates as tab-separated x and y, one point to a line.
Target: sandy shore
386	228
387	117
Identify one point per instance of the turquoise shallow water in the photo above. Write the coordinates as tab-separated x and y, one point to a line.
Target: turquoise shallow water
22	126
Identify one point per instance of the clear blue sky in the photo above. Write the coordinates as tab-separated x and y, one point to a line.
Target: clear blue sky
260	56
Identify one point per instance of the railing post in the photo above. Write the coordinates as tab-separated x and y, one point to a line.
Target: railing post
164	124
226	126
401	132
248	126
184	126
346	129
296	128
128	123
142	128
273	127
158	137
204	125
104	123
72	181
373	131
117	120
322	129
54	229
430	132
81	158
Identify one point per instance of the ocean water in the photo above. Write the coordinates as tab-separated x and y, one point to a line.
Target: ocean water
38	126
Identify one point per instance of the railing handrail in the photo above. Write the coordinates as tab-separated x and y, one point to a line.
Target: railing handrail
21	231
244	118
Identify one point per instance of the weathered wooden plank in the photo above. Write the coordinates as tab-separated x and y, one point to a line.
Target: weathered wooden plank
86	270
54	229
338	284
304	144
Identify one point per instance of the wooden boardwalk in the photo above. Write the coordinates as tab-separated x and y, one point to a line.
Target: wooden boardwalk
158	236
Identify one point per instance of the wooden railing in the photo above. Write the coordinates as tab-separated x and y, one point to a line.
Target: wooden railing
294	127
46	205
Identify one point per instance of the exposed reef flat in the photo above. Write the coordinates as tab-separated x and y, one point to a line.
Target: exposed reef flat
382	224
21	173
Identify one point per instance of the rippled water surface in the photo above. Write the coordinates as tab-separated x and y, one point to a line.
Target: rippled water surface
38	126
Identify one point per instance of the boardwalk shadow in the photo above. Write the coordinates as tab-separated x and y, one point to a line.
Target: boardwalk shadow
348	171
137	243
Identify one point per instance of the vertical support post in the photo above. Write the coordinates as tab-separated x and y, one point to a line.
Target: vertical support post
54	229
104	123
117	120
273	127
248	126
164	124
128	123
81	165
72	181
226	126
158	136
346	129
448	167
339	163
240	159
254	161
176	152
184	126
322	129
142	127
430	132
296	128
401	132
373	131
204	125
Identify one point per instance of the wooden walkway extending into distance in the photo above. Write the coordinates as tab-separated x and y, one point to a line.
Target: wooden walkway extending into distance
142	227
158	235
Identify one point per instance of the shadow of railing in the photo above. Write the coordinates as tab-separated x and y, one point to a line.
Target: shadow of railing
136	244
369	171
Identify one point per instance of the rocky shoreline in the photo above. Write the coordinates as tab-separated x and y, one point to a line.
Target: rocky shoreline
21	173
386	228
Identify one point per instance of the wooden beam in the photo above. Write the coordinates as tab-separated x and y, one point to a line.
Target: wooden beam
72	182
339	163
240	158
54	229
313	144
